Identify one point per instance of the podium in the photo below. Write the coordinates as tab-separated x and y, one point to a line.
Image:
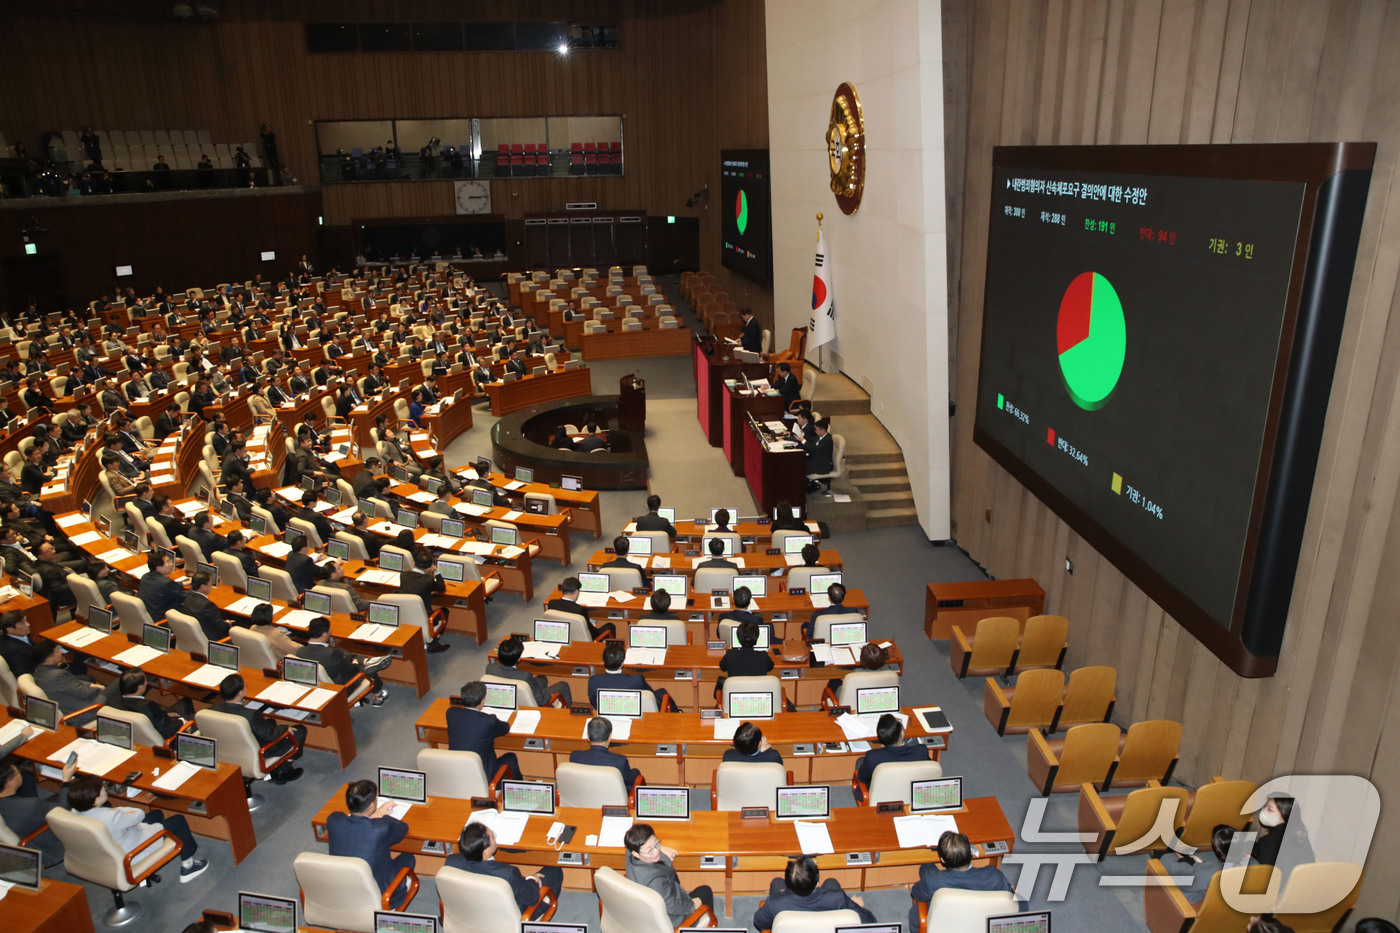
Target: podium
632	403
774	475
739	406
714	362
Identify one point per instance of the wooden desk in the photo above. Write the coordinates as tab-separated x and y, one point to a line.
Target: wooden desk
363	416
620	344
756	535
774	475
57	907
763	562
550	533
214	801
738	407
714	363
964	603
583	504
532	390
452	420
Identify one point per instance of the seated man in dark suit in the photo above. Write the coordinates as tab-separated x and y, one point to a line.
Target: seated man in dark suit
421	581
470	729
373	542
368	832
592	440
308	513
476	850
892	748
300	567
798	890
567	602
508	655
820	452
599	731
750	745
836	593
787	385
200	606
340	664
652	521
741	611
203	534
15	646
25	811
65	688
233	694
160	593
746	660
955	871
716	558
620	546
133	700
612	677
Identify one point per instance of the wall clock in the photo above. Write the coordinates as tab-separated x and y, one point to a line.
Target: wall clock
473	197
845	148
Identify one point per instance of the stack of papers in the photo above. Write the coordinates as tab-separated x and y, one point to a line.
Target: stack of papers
192	507
653	657
813	838
611	830
433	539
838	656
508	827
515	484
511	516
466	508
207	675
11	729
68	521
923	829
81	637
621	596
297	618
863	727
525	722
137	655
593	600
390	529
423	497
511	552
172	779
316	698
276	549
397	808
540	651
819	600
660	562
371	632
382	577
725	729
94	757
622	727
114	555
244	605
87	537
283	693
792	560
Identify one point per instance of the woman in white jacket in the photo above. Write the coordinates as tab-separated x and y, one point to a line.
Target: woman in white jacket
87	795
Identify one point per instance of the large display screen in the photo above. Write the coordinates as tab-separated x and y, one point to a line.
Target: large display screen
746	214
1149	371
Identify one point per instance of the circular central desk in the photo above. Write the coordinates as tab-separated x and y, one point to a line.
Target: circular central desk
521	438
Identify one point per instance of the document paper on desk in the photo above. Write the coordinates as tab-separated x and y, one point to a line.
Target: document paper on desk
508	827
315	698
86	537
297	618
80	637
397	808
94	757
593	600
283	693
540	651
525	722
11	729
924	829
652	657
611	830
371	632
276	549
382	577
813	838
172	779
68	521
137	655
621	728
244	605
725	729
838	656
207	675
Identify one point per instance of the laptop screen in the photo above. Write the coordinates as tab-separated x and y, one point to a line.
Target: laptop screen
389	921
197	750
571	483
340	550
391	560
938	794
668	514
843	634
821	582
728	546
263	913
299	671
623	703
646	636
673	583
260	589
500	696
593	582
133	541
114	732
527	796
258	524
793	544
765	636
528	927
21	866
1020	923
803	801
750	706
100	619
432	484
225	656
399	784
796	512
482	497
872	701
506	537
319	603
454	571
308	483
384	613
536	506
406	518
453	528
41	713
524	474
733	516
332	495
638	545
663	803
228	510
552	631
156	636
757	584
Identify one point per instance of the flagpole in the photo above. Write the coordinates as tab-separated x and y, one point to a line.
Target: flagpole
821	350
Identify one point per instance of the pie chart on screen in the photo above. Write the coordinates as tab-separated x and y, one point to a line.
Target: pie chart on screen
1091	338
741	211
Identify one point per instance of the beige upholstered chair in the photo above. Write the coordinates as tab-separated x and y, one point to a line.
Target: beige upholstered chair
629	907
956	910
237	746
478	903
91	854
458	774
590	786
740	784
891	780
339	892
814	921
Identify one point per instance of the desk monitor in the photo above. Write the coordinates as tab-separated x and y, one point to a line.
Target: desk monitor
340	550
133	541
623	704
263	913
872	928
299	671
505	537
501	696
705	546
384	614
528	927
551	631
406	518
673	583
398	472
391	921
260	589
332	495
796	511
432	484
803	802
765	635
935	795
793	544
571	483
819	583
757	584
846	634
258	524
453	571
1038	922
210	569
668	514
399	784
733	516
391	560
483	467
483	498
872	701
229	510
593	583
41	713
21	867
157	637
366	505
646	636
319	603
114	732
528	796
525	474
308	483
453	528
100	619
638	545
663	803
536	505
197	750
749	705
222	655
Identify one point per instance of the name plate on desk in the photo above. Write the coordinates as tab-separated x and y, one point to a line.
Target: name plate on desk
615	811
753	813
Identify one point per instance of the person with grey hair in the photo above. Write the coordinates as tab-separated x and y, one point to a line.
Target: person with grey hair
599	732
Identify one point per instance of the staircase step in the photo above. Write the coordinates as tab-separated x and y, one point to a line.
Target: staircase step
861	458
830	407
885	518
872	484
866	471
887	499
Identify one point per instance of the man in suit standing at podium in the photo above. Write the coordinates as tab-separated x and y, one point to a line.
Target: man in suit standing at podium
751	337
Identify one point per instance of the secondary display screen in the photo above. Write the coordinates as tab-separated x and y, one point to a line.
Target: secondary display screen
1135	340
746	213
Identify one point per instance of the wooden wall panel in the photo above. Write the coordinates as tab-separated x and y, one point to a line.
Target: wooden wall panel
1204	71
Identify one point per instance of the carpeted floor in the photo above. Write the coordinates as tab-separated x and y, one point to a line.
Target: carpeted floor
892	566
